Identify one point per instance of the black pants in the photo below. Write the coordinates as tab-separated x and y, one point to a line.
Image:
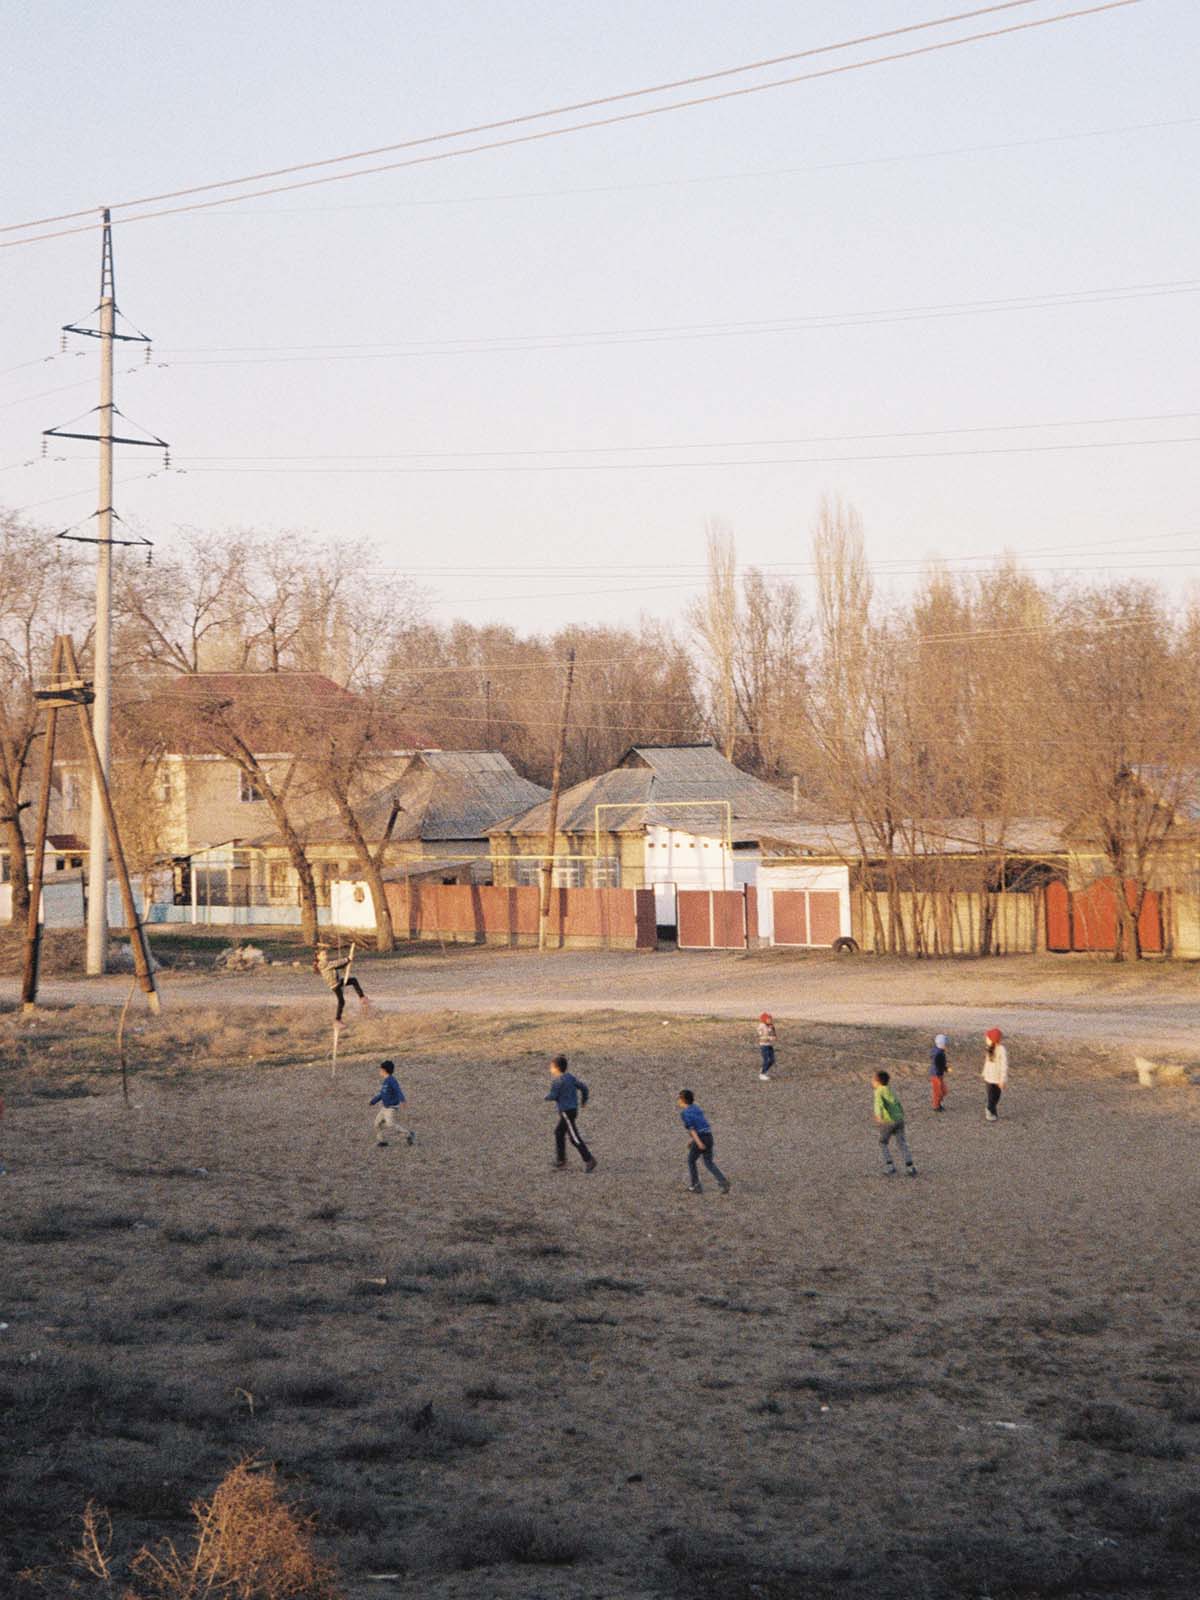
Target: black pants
339	989
565	1129
993	1098
703	1152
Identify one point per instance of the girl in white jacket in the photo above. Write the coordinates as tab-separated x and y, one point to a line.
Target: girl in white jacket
995	1071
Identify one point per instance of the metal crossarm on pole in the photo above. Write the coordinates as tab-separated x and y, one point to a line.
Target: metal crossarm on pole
100	731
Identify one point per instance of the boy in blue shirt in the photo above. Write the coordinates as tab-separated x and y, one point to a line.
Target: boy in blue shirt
570	1095
700	1143
389	1097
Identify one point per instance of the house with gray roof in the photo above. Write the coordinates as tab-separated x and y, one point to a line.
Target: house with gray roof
665	817
435	817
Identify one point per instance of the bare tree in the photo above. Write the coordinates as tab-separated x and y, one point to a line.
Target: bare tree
39	597
715	621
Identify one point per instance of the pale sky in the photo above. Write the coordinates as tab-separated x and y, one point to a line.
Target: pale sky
854	198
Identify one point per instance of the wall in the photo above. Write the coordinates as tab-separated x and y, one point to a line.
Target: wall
62	901
950	922
486	914
794	876
676	859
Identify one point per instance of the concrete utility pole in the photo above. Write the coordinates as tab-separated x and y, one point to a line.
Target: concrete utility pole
106	437
97	923
555	790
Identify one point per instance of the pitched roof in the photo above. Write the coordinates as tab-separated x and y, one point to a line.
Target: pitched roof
441	794
661	786
275	712
950	836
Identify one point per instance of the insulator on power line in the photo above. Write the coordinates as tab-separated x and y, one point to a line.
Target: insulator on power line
147	360
166	461
149	556
44	447
62	344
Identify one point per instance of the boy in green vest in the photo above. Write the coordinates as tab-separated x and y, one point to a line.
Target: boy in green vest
889	1114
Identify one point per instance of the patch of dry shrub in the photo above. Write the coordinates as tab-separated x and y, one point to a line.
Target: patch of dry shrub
248	1543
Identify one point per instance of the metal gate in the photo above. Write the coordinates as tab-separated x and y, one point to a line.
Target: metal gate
711	919
809	917
1087	919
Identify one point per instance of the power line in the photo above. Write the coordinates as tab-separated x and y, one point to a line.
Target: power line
600	122
504	344
512	122
720	177
719	444
684	466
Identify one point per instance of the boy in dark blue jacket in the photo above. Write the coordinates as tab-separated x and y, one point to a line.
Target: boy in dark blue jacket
570	1095
700	1143
389	1097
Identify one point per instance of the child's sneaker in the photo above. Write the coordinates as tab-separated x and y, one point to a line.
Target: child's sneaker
990	1116
410	1137
765	1076
725	1187
694	1188
911	1170
889	1172
590	1166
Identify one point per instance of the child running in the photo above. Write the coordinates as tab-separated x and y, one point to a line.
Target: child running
570	1095
995	1072
700	1143
337	976
889	1114
766	1044
938	1068
389	1097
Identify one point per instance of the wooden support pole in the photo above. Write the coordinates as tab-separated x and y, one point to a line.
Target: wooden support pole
33	930
555	790
137	934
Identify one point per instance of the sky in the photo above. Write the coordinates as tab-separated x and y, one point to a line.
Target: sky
959	290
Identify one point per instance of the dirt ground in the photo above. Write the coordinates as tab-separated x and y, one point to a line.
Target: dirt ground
490	1378
1148	1006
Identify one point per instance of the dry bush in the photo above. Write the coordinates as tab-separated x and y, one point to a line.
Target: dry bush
249	1545
508	1537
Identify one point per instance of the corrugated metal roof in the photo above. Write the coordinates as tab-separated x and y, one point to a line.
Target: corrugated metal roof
948	836
667	775
442	794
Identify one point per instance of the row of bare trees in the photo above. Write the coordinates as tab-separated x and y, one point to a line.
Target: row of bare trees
977	699
968	703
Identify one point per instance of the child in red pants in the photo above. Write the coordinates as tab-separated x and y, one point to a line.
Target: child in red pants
938	1068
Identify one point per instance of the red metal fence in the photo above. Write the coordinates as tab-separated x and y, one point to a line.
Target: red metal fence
1087	919
715	919
806	916
483	914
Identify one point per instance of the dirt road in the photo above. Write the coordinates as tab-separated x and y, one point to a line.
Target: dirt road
1054	998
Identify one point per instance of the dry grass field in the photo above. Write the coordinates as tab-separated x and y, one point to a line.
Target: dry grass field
487	1378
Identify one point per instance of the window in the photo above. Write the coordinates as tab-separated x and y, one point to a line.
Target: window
72	792
277	880
248	790
164	786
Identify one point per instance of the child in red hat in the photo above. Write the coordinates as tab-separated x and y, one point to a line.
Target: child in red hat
995	1072
766	1044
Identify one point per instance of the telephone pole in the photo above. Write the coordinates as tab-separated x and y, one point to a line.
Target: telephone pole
555	790
106	437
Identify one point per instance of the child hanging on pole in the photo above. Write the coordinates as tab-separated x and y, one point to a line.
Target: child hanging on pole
338	976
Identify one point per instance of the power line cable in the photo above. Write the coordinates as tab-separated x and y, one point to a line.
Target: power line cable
600	122
718	177
526	117
684	466
271	355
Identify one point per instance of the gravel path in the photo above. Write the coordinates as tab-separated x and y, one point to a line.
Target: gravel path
1049	998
